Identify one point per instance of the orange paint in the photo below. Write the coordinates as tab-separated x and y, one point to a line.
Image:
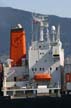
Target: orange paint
42	76
68	77
17	46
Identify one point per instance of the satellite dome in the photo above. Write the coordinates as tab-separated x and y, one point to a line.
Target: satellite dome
53	28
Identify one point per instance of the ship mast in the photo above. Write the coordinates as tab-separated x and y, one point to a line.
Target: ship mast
41	30
32	30
61	61
53	33
47	34
58	33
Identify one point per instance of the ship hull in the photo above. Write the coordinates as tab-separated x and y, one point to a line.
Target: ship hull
40	101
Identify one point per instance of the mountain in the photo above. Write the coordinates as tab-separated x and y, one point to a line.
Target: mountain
10	17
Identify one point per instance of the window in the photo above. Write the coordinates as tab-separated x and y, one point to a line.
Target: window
56	68
32	69
50	68
35	69
36	61
40	69
43	69
42	53
15	78
39	46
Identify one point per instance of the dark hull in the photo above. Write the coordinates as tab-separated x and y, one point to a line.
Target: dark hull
43	102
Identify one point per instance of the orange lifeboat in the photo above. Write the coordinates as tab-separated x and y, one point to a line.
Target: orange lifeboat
42	76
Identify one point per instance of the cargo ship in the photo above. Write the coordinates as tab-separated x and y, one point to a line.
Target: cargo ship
38	71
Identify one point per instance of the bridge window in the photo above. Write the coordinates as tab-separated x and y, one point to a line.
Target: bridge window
56	68
15	78
50	68
32	69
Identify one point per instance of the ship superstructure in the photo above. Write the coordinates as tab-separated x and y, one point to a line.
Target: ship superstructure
42	73
45	55
15	68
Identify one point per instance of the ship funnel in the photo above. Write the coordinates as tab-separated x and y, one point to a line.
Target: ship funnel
17	45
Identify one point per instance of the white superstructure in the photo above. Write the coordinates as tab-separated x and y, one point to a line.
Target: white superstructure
45	55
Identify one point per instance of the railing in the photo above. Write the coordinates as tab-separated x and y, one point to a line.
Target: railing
30	92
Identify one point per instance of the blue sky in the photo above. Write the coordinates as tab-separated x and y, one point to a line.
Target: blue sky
50	7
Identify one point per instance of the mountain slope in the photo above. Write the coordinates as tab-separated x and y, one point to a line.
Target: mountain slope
10	17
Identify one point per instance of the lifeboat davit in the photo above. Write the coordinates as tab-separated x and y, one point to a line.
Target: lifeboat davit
42	76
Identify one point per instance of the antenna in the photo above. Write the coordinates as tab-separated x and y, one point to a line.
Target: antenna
39	20
53	32
32	30
47	33
58	33
41	31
